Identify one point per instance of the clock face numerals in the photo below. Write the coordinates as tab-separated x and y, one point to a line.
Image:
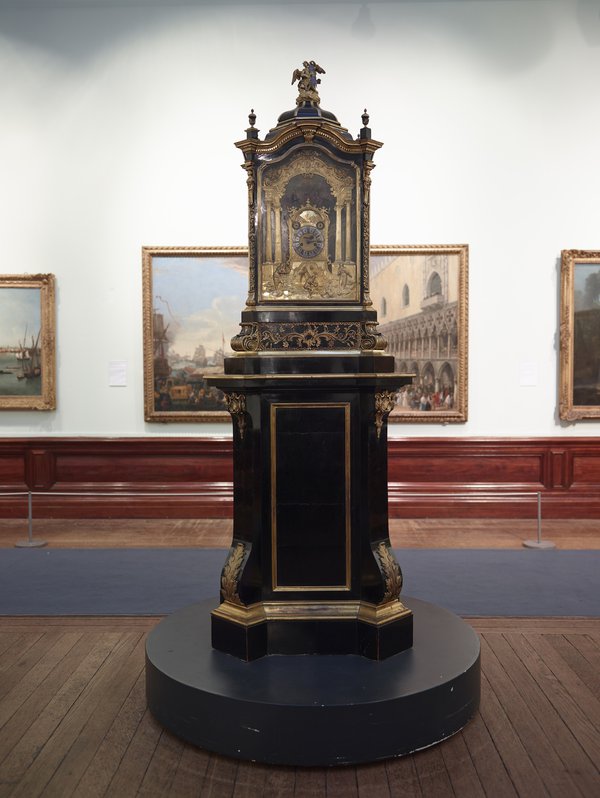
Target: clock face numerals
308	241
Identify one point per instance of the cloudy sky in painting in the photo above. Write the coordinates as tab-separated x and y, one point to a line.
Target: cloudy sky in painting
201	300
19	308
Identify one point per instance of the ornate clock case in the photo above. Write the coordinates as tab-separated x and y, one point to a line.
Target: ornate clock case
310	569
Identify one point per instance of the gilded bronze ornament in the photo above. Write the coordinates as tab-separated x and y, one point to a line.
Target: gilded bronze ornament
236	404
230	575
391	572
385	401
308	82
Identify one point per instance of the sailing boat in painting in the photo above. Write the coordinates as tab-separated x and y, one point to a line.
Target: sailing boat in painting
22	353
29	358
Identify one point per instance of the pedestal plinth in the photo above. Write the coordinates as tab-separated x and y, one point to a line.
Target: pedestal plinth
313	710
310	569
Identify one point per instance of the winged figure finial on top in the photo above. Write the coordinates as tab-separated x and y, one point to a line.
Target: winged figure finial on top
308	82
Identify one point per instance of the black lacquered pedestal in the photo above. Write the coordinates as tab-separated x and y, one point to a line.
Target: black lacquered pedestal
310	569
313	709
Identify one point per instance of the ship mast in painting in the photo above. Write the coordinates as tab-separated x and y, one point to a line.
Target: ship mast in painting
161	345
29	358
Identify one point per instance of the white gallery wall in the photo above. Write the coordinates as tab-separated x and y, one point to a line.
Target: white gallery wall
117	128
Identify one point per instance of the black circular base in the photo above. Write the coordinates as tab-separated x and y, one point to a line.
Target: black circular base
314	709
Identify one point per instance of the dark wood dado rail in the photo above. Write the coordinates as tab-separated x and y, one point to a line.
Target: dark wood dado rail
470	477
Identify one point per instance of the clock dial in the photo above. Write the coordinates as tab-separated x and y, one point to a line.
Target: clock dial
308	241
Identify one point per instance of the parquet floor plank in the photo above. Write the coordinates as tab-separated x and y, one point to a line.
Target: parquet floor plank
579	725
486	759
280	783
23	689
22	656
134	763
372	781
310	783
521	770
433	776
190	773
547	701
17	648
8	639
19	750
162	768
549	765
341	782
586	645
29	624
463	775
219	780
533	625
15	725
97	691
402	777
584	661
579	692
250	780
95	727
106	760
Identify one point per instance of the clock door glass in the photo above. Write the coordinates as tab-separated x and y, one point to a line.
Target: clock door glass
308	238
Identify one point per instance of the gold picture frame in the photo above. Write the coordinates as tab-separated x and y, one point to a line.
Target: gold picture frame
579	372
192	298
421	297
27	342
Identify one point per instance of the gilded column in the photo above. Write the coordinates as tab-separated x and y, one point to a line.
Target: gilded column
268	241
348	252
338	232
278	253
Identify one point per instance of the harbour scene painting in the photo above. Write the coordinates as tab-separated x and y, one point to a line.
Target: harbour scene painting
20	362
26	342
192	303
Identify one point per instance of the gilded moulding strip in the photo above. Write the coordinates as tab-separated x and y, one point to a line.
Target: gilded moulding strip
319	336
308	130
262	611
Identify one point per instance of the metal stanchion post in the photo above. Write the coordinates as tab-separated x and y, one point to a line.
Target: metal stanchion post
539	543
30	543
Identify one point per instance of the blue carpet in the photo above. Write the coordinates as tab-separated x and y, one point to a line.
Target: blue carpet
159	581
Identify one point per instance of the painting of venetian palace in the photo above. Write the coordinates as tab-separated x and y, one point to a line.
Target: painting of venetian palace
420	298
20	344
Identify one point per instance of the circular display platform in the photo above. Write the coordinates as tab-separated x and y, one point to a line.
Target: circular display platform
314	709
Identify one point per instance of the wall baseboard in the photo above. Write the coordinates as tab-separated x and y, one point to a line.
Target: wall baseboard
428	477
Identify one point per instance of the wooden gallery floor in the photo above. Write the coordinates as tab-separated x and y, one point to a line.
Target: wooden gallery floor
73	719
